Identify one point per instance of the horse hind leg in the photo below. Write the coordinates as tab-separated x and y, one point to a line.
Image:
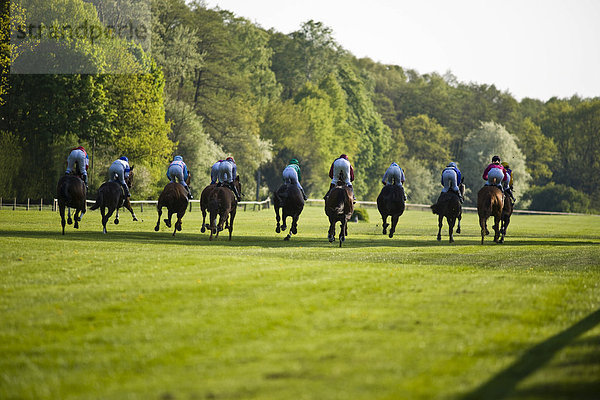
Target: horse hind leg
69	219
393	227
116	216
440	223
458	223
104	219
61	210
167	220
278	219
159	210
343	232
451	223
331	233
385	224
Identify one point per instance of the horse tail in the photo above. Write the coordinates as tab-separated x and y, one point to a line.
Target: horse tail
98	202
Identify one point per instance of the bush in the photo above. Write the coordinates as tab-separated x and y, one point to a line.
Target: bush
561	198
360	214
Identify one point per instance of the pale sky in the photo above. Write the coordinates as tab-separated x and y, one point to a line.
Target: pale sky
530	48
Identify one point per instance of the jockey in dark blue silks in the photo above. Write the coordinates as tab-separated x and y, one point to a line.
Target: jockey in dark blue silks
178	171
451	178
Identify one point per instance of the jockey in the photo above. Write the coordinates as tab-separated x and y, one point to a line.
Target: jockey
78	156
451	177
495	171
227	174
214	172
508	184
121	169
342	166
291	174
394	175
178	171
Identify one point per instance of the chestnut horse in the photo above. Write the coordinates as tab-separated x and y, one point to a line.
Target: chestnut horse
112	197
175	197
490	202
390	202
222	203
339	207
289	198
448	205
71	193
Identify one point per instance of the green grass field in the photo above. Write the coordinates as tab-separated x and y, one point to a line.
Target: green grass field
138	314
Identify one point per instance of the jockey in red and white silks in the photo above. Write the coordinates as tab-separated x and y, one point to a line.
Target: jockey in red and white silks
78	156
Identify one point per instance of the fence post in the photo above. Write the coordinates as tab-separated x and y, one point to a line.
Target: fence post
15	204
41	204
0	203
27	204
141	207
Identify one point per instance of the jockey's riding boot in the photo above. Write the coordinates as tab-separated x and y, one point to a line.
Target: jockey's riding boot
189	194
303	194
237	194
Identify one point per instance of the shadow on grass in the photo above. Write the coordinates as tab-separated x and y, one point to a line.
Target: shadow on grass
505	383
275	241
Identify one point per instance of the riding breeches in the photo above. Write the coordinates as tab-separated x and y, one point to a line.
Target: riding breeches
495	174
450	180
214	172
393	174
118	170
175	173
291	176
76	157
227	172
341	166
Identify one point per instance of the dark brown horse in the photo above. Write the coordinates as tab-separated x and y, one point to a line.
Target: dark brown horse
175	197
204	204
111	196
507	211
222	203
289	199
390	202
490	202
448	205
71	193
339	207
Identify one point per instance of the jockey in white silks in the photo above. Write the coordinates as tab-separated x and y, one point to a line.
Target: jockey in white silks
451	177
341	167
394	175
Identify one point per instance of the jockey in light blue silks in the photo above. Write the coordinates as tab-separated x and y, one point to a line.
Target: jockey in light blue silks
394	175
178	171
78	156
451	177
291	174
214	172
118	171
227	174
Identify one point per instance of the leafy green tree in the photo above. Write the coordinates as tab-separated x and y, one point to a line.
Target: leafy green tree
539	150
480	146
557	197
428	141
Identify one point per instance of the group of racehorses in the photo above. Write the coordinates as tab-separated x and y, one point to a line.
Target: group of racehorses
220	203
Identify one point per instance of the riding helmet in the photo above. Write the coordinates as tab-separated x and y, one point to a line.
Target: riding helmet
452	164
344	156
229	159
294	161
496	158
505	164
178	158
124	159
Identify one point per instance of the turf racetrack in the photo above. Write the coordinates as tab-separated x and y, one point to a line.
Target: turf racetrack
138	314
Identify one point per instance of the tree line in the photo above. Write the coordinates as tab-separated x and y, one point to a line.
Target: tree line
214	84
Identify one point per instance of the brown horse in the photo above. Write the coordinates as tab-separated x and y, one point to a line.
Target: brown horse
490	202
507	211
71	193
448	205
339	207
289	198
390	202
111	196
175	197
222	203
204	204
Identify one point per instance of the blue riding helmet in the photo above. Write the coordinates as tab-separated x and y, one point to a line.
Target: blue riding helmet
452	164
177	158
124	159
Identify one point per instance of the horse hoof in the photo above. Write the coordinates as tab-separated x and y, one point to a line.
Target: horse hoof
178	227
277	230
70	221
384	231
283	228
439	238
116	222
331	239
294	231
203	229
286	238
458	230
156	228
135	219
451	240
391	235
